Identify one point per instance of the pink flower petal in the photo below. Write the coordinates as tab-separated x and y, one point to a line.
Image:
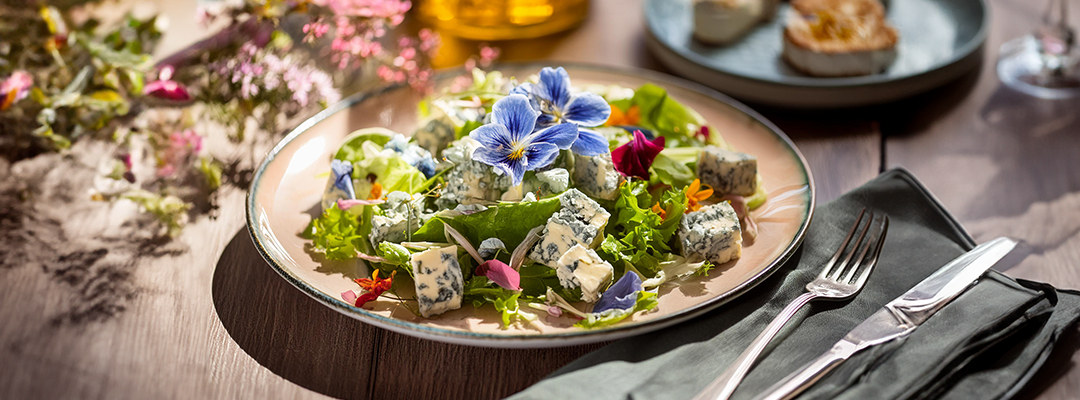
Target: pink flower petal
635	158
554	311
349	296
500	273
167	90
344	204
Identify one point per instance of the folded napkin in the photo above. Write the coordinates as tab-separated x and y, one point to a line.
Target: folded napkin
983	345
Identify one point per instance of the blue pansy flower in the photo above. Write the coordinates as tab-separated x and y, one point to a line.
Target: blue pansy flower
551	96
340	185
622	295
510	144
341	175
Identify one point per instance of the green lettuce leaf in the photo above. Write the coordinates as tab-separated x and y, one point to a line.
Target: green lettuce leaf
388	169
479	290
671	172
351	147
667	117
637	237
336	233
645	301
509	222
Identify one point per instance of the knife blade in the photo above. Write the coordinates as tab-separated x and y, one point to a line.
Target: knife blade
899	317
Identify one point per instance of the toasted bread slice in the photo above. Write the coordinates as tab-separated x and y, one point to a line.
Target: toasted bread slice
828	43
861	8
725	21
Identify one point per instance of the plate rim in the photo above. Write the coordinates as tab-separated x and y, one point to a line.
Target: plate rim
538	340
964	51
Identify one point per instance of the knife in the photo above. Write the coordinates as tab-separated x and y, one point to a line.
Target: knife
900	317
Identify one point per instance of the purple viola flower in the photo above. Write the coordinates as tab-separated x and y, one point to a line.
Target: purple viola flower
341	175
510	144
622	295
551	96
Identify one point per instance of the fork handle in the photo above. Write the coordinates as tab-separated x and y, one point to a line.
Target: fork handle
724	385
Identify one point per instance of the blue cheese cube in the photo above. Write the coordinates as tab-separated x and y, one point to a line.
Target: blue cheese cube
711	233
596	176
439	284
434	133
580	221
727	172
581	267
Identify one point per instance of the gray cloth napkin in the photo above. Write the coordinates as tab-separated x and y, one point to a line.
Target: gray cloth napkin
983	345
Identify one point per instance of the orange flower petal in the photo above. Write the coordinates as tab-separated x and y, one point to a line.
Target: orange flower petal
376	192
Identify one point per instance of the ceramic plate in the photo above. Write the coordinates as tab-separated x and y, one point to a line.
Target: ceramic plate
939	41
288	185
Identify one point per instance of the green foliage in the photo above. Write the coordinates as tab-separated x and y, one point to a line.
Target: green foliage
510	222
638	236
336	233
479	290
667	117
170	211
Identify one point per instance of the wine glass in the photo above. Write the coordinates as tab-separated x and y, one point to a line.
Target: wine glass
1045	63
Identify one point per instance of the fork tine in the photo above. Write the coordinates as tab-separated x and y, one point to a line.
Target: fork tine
839	270
874	258
862	253
843	245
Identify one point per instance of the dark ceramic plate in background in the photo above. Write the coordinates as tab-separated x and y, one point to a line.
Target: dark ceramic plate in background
939	41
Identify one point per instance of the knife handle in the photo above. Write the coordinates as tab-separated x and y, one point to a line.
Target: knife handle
801	380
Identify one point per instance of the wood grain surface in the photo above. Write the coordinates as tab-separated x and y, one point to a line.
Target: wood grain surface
97	308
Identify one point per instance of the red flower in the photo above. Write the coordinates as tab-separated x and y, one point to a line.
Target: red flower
635	157
374	287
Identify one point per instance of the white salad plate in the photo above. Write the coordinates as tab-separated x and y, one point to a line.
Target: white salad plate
287	187
940	40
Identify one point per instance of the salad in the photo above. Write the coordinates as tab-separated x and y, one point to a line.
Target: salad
537	197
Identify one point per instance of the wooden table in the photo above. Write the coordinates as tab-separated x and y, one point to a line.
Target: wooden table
96	308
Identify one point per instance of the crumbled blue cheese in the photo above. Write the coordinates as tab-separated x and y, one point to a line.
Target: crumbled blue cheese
580	221
711	233
439	283
581	267
727	172
470	181
402	213
555	180
596	176
435	133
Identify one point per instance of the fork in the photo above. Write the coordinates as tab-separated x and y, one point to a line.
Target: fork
831	284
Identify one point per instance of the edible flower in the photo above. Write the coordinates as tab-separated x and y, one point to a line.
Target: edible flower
166	88
500	273
655	208
374	287
695	195
622	295
703	133
632	116
551	96
635	157
376	191
16	87
345	205
341	175
412	154
509	143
